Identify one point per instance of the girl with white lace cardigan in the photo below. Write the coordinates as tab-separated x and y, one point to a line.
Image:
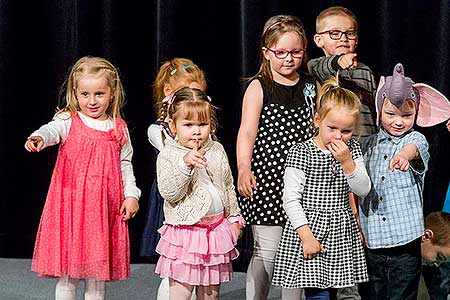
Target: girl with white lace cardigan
202	217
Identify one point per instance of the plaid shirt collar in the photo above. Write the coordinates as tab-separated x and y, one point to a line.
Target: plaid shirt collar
384	135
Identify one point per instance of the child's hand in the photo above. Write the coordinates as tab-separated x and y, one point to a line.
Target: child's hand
312	248
237	229
340	151
129	208
34	144
246	183
347	61
195	158
448	125
399	162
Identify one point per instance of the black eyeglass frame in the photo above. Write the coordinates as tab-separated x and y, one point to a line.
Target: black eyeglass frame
334	33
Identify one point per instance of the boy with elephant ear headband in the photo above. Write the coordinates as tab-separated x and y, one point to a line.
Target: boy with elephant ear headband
396	159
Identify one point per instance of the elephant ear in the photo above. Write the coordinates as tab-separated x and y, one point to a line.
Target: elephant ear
379	97
434	107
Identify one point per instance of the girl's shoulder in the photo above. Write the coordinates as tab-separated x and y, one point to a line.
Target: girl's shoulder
63	116
355	148
302	148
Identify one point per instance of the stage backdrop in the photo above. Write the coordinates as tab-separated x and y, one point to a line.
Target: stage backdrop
39	40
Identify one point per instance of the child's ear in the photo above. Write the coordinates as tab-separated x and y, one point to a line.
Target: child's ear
316	119
172	127
167	90
318	40
428	235
265	53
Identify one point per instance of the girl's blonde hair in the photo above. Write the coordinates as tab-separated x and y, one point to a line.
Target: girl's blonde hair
177	73
274	28
98	66
332	95
192	103
439	223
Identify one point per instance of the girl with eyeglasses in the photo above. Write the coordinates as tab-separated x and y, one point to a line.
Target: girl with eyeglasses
277	112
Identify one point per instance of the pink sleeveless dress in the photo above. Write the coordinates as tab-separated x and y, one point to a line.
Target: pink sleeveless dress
81	233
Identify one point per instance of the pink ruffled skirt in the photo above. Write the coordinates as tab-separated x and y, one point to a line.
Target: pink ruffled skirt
198	254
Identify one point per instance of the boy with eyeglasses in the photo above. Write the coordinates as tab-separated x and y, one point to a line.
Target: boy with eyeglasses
337	35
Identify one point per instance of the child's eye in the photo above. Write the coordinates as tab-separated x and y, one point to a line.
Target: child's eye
84	94
280	53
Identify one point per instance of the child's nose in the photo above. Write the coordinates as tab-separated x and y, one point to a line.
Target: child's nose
92	99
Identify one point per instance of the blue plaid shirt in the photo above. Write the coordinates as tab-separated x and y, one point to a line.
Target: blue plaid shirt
392	214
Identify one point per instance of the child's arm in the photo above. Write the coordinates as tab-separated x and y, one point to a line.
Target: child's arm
50	134
235	218
414	154
294	184
251	110
324	67
403	157
155	136
132	193
173	175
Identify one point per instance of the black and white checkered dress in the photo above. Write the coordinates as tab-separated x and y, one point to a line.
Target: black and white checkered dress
326	204
285	120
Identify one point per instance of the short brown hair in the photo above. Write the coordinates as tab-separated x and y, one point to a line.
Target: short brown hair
334	11
439	223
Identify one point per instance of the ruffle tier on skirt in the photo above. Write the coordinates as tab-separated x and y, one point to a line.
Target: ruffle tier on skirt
198	254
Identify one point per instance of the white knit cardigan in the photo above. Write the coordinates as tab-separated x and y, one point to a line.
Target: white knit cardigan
181	208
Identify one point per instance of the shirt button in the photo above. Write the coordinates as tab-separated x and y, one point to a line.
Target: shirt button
381	198
389	139
384	219
383	178
385	157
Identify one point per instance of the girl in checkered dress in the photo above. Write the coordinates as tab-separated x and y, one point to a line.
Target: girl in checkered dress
320	247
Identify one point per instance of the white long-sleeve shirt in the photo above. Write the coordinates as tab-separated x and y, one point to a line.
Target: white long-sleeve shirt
57	130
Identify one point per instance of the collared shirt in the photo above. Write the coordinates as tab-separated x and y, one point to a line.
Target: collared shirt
392	213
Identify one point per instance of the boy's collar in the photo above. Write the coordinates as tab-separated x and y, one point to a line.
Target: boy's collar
384	135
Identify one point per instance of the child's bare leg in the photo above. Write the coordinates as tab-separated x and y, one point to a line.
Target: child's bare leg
208	292
179	290
66	288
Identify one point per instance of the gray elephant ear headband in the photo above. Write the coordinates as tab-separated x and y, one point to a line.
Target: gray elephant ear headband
431	105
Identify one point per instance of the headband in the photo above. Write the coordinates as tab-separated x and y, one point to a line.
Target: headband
280	22
431	105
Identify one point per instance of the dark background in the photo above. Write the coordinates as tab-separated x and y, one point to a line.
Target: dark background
40	40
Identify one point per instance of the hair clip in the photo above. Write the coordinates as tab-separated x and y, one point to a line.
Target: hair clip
184	67
168	100
209	98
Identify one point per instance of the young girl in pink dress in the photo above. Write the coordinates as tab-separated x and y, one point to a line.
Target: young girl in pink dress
202	217
83	231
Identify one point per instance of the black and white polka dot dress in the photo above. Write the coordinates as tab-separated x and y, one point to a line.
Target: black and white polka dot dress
326	205
286	118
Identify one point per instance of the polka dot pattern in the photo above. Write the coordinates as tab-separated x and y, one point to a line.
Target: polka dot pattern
285	120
